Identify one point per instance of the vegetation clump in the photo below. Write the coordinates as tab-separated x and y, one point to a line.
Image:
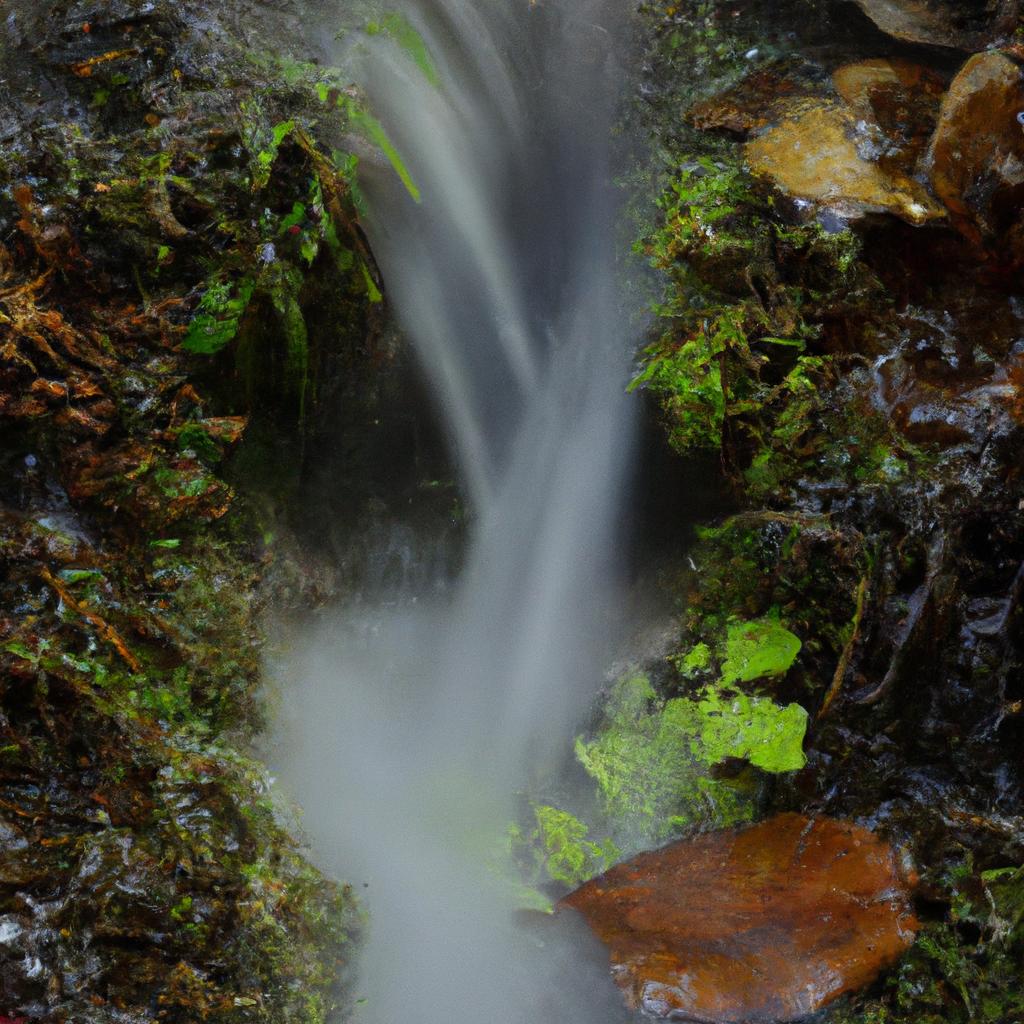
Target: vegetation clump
182	266
834	362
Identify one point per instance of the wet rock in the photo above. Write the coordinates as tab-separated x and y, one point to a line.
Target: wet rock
822	156
946	383
768	923
757	101
902	98
957	24
976	158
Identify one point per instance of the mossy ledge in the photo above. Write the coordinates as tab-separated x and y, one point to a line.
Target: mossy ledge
183	284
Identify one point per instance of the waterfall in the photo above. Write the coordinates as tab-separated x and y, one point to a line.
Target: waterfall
409	727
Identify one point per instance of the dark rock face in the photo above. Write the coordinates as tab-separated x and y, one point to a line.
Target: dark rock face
143	875
769	923
958	24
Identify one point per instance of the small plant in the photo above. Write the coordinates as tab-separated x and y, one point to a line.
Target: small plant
733	366
563	850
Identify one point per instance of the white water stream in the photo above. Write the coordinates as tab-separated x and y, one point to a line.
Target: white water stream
409	727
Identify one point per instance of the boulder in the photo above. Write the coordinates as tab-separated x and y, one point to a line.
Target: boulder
901	97
768	923
976	158
955	24
824	156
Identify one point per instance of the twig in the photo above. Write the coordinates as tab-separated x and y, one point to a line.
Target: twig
844	658
106	631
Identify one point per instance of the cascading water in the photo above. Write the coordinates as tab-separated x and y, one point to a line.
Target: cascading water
410	726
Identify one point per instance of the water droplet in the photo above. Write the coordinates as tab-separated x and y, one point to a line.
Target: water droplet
1020	118
31	461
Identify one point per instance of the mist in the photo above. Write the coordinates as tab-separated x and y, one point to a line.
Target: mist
412	722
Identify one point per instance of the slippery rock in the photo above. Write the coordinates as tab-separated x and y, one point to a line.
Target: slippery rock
823	156
901	98
956	24
768	923
759	99
976	158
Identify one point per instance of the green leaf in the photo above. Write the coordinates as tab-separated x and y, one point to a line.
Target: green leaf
217	317
309	249
80	575
789	342
20	650
297	216
366	124
401	30
372	291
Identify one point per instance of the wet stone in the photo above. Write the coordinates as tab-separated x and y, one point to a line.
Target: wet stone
902	98
769	923
976	158
827	158
957	24
757	101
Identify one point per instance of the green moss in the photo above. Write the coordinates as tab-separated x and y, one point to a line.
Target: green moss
218	316
650	759
755	729
564	850
760	649
962	970
654	761
694	662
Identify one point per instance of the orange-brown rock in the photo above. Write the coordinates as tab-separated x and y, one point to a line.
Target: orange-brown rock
821	154
976	158
902	98
769	923
757	100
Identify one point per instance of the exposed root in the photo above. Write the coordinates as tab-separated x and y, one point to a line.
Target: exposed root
844	659
106	631
920	602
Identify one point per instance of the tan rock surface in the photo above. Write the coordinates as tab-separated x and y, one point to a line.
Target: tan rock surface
813	155
902	98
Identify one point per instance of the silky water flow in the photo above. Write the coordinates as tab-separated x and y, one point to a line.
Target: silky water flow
410	723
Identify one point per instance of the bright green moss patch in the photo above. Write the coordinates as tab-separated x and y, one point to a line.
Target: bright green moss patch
762	649
557	848
566	852
755	729
650	760
698	659
218	315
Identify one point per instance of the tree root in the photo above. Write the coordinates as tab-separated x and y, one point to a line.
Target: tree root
844	659
106	631
921	600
